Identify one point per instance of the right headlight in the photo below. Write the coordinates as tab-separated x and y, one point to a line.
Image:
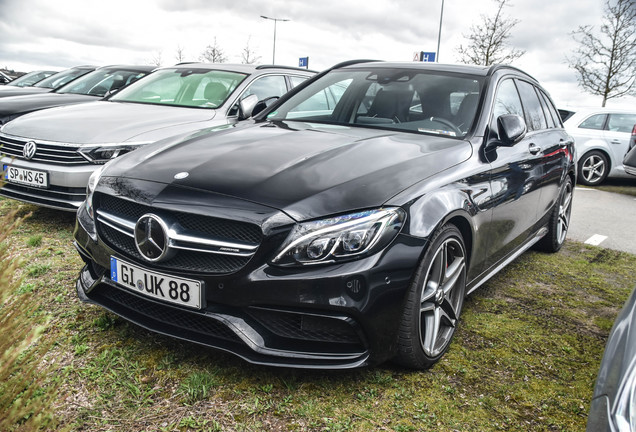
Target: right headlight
106	152
340	238
90	189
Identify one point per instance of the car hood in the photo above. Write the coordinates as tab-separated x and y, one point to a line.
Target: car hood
8	91
16	105
107	122
304	170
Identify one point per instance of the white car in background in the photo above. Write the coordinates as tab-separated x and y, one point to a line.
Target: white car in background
602	138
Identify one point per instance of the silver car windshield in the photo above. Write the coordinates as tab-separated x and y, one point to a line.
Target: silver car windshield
397	99
201	88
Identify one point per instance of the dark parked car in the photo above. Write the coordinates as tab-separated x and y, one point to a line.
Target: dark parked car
51	153
30	78
47	84
343	226
629	162
87	88
614	401
5	79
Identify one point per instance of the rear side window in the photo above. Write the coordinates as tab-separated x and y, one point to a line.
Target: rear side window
596	121
535	117
551	114
621	122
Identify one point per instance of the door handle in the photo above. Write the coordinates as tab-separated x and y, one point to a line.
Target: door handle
615	141
534	149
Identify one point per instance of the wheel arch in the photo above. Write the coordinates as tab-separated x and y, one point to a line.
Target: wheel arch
432	211
600	150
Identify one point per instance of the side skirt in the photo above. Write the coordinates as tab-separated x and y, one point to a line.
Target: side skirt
494	270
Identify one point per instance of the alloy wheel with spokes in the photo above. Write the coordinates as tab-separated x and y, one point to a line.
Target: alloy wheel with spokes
593	168
440	303
434	302
565	209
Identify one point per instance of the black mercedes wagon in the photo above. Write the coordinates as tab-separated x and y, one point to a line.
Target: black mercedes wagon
343	225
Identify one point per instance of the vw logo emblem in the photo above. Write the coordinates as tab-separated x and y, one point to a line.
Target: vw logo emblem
151	237
29	150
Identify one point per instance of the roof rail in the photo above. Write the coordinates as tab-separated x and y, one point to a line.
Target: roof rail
495	68
352	62
283	67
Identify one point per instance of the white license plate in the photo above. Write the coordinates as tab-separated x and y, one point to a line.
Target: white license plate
184	292
26	176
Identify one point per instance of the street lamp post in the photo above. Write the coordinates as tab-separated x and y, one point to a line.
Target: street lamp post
275	21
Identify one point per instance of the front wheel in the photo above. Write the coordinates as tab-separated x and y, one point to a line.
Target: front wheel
434	302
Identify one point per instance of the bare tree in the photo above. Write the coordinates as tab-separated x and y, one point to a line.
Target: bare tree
606	65
213	53
248	56
156	58
179	54
488	41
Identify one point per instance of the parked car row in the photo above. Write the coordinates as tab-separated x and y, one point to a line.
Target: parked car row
50	154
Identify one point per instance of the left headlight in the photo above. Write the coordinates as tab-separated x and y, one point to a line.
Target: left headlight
341	237
105	152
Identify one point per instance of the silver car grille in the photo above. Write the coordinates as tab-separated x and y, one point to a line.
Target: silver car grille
48	152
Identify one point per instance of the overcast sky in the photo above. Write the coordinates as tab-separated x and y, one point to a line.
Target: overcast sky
37	34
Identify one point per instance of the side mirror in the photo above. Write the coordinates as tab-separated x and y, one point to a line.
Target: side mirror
511	128
246	106
261	105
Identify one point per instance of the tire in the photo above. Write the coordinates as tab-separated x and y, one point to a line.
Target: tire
434	301
559	221
593	168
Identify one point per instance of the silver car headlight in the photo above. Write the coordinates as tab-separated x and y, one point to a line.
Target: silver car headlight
105	152
625	411
340	238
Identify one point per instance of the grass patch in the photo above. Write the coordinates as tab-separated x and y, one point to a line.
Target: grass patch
525	356
624	186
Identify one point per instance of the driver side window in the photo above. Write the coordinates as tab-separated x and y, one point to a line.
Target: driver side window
506	102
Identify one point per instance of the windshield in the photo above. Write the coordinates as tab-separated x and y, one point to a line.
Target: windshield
183	87
30	78
427	102
59	79
100	82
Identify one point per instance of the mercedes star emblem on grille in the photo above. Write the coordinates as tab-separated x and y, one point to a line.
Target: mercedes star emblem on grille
151	237
29	150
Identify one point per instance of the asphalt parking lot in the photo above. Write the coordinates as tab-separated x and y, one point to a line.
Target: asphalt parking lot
604	219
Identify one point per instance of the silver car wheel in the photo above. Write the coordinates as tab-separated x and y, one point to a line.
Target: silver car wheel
593	169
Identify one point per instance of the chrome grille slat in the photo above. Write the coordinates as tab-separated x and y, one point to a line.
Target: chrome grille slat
206	244
47	152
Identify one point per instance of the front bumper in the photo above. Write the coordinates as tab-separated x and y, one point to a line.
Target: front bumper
67	184
328	317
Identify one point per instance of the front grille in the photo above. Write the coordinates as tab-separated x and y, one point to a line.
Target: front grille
141	310
204	227
306	327
46	152
215	227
